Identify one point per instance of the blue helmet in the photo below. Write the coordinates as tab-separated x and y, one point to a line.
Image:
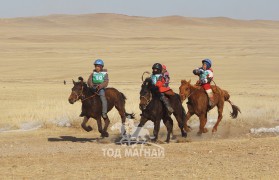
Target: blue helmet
207	62
99	62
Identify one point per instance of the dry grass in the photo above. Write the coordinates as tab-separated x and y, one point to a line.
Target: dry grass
39	53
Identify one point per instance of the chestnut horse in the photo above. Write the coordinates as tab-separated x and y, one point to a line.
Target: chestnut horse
198	103
92	106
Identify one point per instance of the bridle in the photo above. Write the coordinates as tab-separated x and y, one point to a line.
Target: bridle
148	101
190	93
81	95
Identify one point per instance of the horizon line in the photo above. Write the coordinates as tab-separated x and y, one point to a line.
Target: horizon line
84	14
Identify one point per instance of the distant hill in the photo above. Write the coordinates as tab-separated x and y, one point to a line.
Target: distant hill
106	20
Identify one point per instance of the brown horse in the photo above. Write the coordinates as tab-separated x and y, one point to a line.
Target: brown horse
198	103
92	106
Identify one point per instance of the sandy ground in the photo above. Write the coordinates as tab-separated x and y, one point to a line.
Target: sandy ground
72	154
38	54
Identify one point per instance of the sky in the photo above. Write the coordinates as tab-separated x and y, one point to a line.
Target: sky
236	9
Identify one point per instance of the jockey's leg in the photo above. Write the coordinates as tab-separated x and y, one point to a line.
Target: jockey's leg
211	97
104	103
166	103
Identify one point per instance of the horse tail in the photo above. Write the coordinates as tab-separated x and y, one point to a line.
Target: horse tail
226	95
128	115
235	109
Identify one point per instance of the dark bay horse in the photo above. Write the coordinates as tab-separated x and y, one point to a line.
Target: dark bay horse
153	109
92	106
198	103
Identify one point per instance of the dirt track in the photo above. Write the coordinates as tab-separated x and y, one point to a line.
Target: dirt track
64	153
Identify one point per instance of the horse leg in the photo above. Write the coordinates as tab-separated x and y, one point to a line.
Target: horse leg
99	123
203	120
188	115
83	124
179	120
141	124
105	133
169	124
220	116
156	129
121	111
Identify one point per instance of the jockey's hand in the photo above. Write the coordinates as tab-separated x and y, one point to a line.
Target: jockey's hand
196	72
95	88
198	82
201	71
203	81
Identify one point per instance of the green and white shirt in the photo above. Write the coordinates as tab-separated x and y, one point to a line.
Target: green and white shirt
98	78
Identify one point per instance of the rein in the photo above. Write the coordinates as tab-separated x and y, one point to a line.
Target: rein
191	93
82	95
89	97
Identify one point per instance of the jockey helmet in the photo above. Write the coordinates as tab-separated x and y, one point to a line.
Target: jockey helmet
99	62
157	66
207	62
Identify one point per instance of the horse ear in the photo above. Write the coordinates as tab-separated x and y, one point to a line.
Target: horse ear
74	82
183	81
189	81
80	79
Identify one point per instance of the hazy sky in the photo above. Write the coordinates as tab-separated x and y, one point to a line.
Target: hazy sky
238	9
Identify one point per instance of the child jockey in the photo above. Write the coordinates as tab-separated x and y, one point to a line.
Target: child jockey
206	76
159	81
166	75
98	81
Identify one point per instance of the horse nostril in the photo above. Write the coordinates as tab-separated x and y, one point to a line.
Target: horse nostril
71	101
142	106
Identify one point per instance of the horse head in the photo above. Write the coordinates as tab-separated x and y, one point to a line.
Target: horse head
77	91
145	93
184	89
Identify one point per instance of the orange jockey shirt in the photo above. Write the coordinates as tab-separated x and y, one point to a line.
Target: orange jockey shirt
160	84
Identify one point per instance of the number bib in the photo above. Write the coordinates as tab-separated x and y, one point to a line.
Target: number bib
98	78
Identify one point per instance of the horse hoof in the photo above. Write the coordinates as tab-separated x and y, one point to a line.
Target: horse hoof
88	129
105	134
214	130
184	135
205	130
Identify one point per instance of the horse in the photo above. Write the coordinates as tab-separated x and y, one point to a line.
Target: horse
198	104
153	109
92	105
